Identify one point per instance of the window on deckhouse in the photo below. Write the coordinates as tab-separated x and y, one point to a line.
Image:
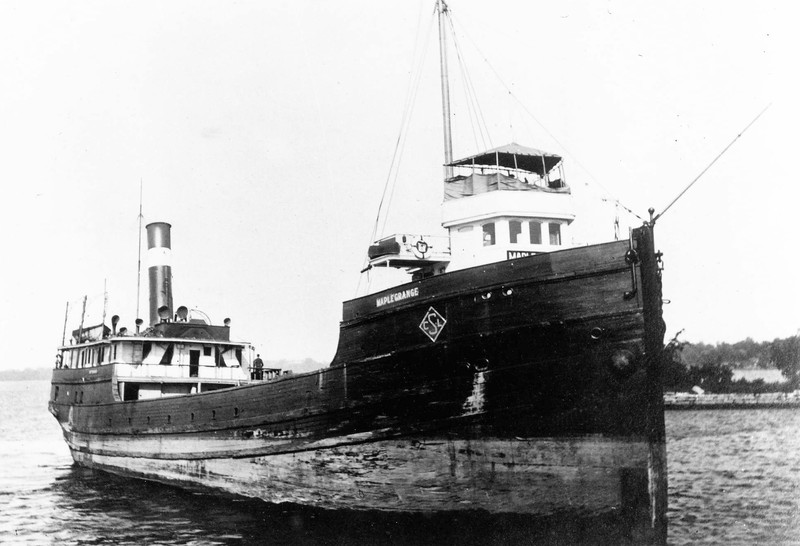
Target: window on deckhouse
514	231
555	234
166	358
488	234
535	229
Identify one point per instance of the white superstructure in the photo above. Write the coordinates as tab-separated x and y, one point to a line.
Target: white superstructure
502	204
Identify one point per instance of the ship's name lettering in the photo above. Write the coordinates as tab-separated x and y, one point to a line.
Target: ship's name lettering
397	296
514	254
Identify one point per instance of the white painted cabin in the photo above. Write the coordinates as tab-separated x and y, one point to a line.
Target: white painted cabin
168	359
501	204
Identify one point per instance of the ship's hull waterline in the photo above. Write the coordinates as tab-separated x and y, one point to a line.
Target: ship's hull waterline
538	476
531	386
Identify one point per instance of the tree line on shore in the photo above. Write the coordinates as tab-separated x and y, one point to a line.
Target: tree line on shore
710	367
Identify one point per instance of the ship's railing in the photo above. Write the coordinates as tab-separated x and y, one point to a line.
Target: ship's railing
411	246
266	373
179	371
408	251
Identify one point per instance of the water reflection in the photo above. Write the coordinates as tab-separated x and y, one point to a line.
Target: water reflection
734	478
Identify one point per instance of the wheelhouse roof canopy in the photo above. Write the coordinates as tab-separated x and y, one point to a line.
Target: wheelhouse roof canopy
512	156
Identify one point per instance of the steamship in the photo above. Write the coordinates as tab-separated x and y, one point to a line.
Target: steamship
510	373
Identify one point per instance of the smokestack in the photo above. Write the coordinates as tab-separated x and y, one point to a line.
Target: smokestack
159	258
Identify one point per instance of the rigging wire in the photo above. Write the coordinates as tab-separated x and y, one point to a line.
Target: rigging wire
419	56
541	125
91	306
473	105
391	177
659	215
470	110
403	136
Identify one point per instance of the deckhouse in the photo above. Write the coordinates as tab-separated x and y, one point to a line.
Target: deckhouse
177	354
501	204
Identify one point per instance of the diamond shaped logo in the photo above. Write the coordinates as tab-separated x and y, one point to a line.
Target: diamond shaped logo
432	324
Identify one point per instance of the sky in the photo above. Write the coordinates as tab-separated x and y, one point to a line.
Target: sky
264	132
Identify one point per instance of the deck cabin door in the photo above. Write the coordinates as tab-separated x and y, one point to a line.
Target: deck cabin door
194	363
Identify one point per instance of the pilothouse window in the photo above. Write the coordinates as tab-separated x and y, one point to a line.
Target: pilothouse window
535	229
488	234
514	231
555	234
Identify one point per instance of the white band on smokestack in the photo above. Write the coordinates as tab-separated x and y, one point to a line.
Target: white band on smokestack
159	273
159	256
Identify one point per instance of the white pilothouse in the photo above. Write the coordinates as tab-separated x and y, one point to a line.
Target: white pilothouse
505	203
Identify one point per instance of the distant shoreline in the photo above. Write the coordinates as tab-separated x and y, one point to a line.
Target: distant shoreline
684	401
28	374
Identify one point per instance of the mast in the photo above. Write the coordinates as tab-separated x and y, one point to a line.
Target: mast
83	315
139	264
64	333
441	8
105	306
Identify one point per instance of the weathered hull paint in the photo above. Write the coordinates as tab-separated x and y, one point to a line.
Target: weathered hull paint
541	476
534	388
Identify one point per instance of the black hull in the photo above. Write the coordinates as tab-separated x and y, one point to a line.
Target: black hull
537	380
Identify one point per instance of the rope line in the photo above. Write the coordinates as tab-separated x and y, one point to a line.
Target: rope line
710	164
469	91
391	176
542	126
399	147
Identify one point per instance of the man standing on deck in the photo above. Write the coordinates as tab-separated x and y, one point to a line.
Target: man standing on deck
258	368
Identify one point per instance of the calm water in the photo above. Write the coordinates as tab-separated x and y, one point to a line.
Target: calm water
734	479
